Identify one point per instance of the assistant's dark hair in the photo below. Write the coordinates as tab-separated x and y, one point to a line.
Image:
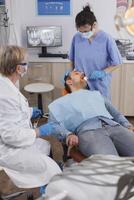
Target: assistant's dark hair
86	16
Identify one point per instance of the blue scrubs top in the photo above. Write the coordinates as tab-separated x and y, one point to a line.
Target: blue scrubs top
101	53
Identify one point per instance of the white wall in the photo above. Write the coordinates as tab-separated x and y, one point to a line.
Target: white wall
23	13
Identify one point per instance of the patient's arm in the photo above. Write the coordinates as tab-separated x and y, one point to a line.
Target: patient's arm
131	128
59	129
118	117
72	140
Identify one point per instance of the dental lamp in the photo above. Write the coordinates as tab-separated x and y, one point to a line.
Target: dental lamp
126	22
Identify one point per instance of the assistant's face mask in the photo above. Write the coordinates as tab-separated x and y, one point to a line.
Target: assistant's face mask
88	34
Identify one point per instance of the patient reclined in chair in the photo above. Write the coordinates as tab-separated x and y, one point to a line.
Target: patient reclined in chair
87	120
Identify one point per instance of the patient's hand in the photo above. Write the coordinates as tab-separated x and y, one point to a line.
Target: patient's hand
131	128
72	140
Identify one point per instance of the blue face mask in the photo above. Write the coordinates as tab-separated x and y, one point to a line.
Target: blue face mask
88	34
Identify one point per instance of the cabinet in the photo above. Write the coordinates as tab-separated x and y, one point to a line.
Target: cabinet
52	71
127	89
122	88
47	72
116	87
58	71
37	72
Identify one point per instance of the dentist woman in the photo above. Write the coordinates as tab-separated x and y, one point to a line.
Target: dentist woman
94	52
23	155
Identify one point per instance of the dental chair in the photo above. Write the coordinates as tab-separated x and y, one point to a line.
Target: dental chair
71	153
11	196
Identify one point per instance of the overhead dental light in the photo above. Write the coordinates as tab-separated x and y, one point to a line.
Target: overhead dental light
129	20
125	16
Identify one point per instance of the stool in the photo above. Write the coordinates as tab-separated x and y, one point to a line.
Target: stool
39	88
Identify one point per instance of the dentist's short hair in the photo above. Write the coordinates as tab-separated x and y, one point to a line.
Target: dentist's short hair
10	57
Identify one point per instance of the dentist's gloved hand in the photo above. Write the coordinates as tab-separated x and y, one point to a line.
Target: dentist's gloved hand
98	75
36	113
46	129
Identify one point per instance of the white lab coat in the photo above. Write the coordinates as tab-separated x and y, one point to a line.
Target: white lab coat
22	155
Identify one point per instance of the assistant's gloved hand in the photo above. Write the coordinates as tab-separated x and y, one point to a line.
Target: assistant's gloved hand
46	129
36	113
97	75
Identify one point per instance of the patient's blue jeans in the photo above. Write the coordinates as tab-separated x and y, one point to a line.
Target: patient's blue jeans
115	140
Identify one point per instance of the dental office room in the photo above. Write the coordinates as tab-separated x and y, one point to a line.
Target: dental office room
66	99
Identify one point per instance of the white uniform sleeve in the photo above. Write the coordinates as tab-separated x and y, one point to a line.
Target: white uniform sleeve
31	111
15	127
18	137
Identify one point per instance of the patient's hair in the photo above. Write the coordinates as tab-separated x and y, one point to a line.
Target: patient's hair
10	57
86	16
67	87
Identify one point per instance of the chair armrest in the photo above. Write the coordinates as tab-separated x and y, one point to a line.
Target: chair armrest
76	154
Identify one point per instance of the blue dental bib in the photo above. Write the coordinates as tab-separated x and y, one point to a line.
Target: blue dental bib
75	108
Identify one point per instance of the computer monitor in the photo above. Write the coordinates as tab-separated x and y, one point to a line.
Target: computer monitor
44	36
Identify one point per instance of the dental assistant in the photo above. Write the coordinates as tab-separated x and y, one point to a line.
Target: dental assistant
23	155
94	52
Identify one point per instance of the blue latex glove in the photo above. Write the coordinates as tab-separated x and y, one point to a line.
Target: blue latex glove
36	113
42	190
46	129
97	75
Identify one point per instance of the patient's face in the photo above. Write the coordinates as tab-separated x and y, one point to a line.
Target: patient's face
78	78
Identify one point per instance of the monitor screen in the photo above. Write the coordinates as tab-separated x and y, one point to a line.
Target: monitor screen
44	36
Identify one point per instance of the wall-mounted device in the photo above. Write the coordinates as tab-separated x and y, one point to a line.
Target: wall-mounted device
2	2
45	36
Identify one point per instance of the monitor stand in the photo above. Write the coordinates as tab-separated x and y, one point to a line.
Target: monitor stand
51	55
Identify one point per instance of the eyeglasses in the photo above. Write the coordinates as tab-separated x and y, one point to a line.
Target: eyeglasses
23	64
